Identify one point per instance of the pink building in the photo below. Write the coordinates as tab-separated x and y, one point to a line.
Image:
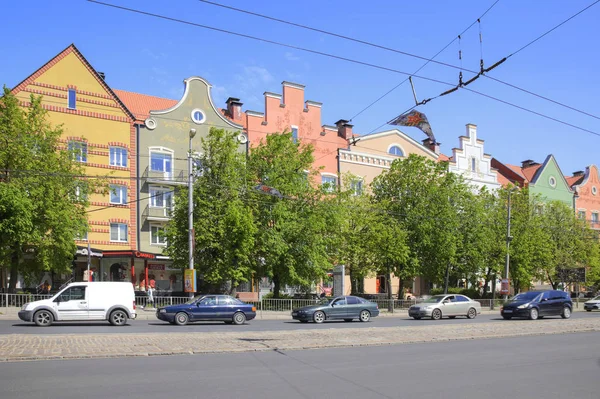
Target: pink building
292	113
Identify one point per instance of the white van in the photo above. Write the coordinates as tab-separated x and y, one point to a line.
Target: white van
112	301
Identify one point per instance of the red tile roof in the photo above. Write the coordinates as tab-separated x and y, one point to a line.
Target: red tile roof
141	104
503	180
529	172
442	158
572	180
515	168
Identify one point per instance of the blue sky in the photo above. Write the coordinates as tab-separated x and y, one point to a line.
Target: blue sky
151	56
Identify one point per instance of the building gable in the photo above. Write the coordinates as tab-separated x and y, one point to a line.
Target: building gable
550	183
70	71
381	143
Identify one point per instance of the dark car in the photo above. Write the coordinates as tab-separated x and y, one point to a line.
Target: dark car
208	308
538	304
342	307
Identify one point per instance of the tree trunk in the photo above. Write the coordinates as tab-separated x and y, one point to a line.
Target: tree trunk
276	287
14	272
389	291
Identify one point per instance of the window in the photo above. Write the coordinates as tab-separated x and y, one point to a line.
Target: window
118	156
72	294
208	301
198	116
352	300
473	164
157	235
594	190
79	150
460	298
552	181
72	98
118	194
198	169
294	134
80	194
82	237
227	300
161	162
581	215
594	217
161	197
329	182
395	150
118	232
357	187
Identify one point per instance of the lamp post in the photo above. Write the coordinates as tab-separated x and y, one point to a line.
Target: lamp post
191	206
508	240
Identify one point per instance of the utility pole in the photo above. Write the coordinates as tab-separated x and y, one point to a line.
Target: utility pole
508	239
191	207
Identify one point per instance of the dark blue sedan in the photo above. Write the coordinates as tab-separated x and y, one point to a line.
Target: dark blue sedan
208	308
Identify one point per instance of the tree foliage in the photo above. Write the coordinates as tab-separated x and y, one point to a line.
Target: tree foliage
40	213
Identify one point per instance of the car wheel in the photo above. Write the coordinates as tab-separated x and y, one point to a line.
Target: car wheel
365	316
472	313
239	318
452	317
533	314
117	318
181	319
436	314
507	317
566	313
417	317
347	320
319	317
588	310
43	318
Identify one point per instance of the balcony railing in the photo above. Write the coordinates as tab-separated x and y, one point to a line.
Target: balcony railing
175	176
155	213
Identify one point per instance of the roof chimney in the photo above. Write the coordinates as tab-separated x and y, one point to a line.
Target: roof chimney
432	145
344	129
101	74
527	163
578	173
234	108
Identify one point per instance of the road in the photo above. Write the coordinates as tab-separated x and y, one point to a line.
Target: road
150	326
557	366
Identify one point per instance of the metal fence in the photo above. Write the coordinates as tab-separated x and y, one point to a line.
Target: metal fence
272	305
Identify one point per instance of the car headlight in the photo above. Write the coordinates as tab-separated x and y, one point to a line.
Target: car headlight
430	307
524	306
25	306
163	311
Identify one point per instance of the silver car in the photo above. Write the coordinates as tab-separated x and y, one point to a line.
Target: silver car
439	306
592	304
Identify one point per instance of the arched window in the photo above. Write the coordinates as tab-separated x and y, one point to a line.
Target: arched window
395	150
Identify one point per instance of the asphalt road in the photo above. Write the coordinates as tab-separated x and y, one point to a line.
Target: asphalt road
549	367
150	326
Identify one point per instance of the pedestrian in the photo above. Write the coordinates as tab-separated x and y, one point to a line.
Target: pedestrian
150	295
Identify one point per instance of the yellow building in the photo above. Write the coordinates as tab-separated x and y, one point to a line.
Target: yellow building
96	122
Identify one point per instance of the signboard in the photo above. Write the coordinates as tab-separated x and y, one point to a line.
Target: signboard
189	280
504	287
338	280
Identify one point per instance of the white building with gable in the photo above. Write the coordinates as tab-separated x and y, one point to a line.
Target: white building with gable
472	162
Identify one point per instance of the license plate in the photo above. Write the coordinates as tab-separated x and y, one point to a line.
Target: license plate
294	313
508	311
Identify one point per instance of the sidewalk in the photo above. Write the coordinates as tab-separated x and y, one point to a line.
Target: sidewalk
15	347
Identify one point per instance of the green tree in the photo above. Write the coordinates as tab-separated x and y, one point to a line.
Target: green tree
294	228
223	221
426	201
42	196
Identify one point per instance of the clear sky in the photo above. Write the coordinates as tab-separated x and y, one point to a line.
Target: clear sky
152	56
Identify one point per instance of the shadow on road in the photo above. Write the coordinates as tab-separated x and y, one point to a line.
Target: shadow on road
70	324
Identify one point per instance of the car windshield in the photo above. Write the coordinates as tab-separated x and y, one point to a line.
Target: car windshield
525	296
596	298
434	299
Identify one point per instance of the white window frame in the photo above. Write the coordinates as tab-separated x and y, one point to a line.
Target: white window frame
74	93
118	156
120	191
82	147
354	184
83	237
396	145
329	176
594	217
294	133
120	234
196	121
161	151
153	196
161	227
473	164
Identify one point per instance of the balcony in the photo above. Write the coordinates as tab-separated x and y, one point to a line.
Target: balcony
157	214
176	176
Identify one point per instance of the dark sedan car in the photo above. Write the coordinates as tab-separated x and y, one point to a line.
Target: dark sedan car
537	304
342	307
208	308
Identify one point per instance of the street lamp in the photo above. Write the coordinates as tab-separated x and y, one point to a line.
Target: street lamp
191	206
508	240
